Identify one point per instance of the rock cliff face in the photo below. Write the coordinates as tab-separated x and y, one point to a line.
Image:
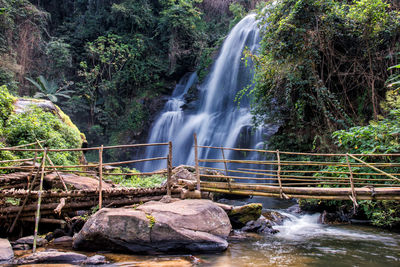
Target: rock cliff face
183	225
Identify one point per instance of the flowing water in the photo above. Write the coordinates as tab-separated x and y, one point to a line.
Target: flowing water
218	121
216	118
301	241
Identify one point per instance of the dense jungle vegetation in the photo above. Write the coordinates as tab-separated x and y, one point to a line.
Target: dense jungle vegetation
328	73
108	63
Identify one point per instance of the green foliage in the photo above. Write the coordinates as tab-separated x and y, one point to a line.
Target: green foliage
6	105
12	201
36	124
322	65
133	180
394	80
59	54
385	213
49	90
152	220
238	12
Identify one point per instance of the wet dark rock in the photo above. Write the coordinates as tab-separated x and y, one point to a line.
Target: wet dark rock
260	226
241	215
96	260
186	225
64	240
52	256
274	217
6	252
334	217
294	209
57	233
29	241
76	225
21	247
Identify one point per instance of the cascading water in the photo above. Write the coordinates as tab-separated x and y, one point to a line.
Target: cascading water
217	119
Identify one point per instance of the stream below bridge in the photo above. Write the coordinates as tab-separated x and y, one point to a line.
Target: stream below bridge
301	241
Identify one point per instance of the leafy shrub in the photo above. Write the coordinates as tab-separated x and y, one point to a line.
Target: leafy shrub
6	104
134	181
37	124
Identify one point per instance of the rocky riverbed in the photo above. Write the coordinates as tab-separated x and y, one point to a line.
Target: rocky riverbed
166	226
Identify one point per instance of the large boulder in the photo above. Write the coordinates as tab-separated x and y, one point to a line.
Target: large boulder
185	225
241	215
6	252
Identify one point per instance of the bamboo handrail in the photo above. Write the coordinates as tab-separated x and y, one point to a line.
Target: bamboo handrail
302	190
133	161
372	167
134	174
300	153
25	145
313	171
298	163
82	149
304	176
15	160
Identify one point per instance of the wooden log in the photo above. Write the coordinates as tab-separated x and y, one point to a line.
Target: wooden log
304	176
45	220
256	193
87	193
304	190
11	229
80	205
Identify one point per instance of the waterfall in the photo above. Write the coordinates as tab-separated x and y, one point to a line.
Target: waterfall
217	119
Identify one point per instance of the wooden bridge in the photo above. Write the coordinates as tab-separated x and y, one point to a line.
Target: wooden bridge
301	175
263	173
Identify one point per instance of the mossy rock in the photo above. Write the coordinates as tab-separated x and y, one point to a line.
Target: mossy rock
241	215
22	105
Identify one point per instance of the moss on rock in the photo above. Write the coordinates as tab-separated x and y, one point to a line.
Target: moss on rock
25	120
240	216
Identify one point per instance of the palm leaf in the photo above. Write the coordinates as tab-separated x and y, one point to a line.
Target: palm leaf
38	86
52	98
63	95
39	95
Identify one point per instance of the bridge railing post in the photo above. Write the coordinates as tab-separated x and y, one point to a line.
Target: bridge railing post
353	192
100	177
169	168
196	159
226	169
